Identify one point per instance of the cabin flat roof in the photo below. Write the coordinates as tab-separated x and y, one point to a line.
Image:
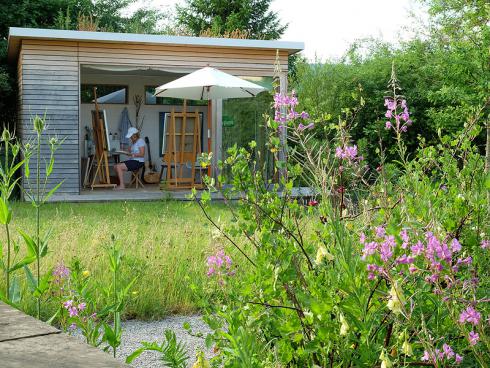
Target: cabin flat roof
16	35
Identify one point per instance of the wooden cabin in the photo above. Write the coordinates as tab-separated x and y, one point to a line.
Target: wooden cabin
58	69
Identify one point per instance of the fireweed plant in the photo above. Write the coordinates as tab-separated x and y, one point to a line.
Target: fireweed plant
397	276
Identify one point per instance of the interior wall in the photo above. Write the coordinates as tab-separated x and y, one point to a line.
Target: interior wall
150	113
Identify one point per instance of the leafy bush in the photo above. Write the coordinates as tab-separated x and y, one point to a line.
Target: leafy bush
383	266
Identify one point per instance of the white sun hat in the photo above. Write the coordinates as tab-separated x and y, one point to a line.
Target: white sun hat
131	131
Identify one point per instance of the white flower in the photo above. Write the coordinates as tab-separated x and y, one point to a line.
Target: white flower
396	298
321	254
344	326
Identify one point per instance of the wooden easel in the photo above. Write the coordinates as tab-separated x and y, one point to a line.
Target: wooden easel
102	162
183	145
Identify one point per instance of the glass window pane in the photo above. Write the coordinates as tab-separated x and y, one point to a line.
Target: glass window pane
106	94
243	121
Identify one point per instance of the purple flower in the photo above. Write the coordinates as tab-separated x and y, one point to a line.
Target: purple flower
458	358
82	306
380	231
68	304
210	271
427	357
302	127
73	326
362	238
60	272
305	115
385	251
388	125
473	337
470	315
485	244
417	249
369	249
347	152
448	351
455	245
404	235
73	311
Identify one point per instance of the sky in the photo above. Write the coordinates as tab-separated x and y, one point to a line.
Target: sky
328	27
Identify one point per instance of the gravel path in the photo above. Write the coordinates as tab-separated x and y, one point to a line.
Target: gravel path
135	331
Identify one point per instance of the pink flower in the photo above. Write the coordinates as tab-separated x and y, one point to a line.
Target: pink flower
68	304
362	238
448	351
458	358
485	244
404	235
82	306
470	315
427	357
473	337
417	249
210	271
312	203
380	231
369	249
455	245
73	311
61	272
388	125
305	115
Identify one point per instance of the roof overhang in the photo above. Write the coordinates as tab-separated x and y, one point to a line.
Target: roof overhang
17	34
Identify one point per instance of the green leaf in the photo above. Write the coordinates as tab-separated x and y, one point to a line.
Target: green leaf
43	284
49	169
31	280
30	243
14	292
52	191
23	262
5	212
51	319
134	355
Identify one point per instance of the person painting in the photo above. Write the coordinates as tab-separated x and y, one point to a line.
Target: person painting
136	154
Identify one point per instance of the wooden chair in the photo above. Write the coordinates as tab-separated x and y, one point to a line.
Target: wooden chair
136	178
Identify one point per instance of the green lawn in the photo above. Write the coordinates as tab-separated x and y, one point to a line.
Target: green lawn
166	245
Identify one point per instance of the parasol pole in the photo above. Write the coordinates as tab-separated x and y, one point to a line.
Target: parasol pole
209	133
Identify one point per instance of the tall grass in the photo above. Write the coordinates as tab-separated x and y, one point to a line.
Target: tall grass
165	246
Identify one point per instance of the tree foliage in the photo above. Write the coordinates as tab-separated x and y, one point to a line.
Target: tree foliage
444	75
102	15
225	16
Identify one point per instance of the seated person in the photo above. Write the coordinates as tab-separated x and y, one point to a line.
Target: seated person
136	154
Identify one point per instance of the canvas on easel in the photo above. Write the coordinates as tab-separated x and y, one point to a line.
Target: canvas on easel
182	144
101	177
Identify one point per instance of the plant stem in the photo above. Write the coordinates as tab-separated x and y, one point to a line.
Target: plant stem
38	220
7	271
7	182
